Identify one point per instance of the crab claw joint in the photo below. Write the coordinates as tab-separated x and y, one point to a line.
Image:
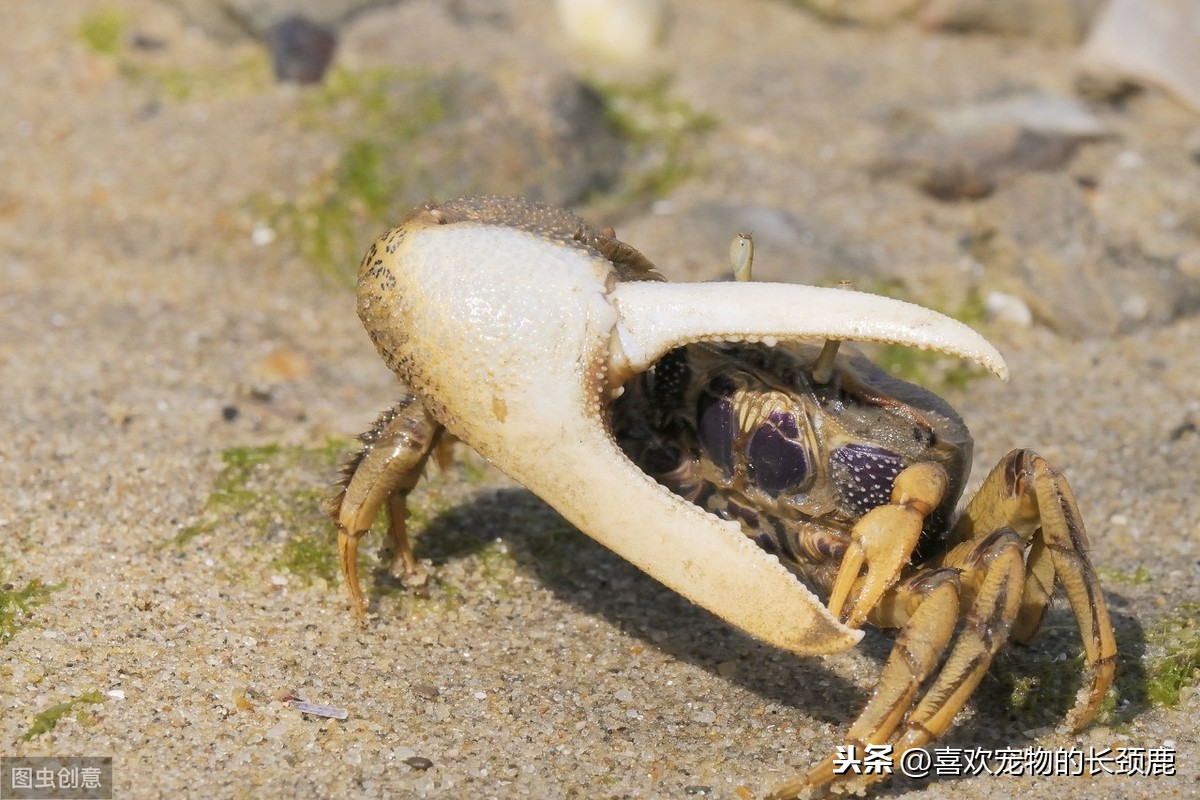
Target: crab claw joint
514	324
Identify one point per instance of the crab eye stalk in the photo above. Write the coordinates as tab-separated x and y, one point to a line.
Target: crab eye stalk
822	368
741	256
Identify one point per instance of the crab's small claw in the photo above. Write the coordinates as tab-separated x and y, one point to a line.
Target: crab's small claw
883	541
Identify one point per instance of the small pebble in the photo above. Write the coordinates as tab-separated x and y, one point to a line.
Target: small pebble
418	762
620	30
262	235
300	49
1129	159
1188	263
1007	308
320	711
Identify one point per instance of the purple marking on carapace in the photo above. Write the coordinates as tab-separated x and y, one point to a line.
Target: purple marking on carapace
869	475
716	433
776	461
786	423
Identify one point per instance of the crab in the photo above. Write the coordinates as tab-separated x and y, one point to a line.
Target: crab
714	435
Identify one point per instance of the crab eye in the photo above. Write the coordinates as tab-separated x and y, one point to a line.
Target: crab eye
864	475
775	460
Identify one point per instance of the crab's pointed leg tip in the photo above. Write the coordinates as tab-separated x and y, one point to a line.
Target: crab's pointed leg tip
1091	697
348	552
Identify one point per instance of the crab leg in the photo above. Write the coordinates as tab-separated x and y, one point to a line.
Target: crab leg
1039	589
992	570
1006	591
387	468
1025	493
926	605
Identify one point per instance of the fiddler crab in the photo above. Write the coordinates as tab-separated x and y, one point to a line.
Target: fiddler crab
686	428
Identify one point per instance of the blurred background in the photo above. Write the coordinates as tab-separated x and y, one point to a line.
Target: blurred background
186	187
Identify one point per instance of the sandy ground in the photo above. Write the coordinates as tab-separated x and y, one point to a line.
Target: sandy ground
148	340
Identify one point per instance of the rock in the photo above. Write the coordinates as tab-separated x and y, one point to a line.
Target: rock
300	50
1145	41
481	13
511	117
621	30
964	153
544	136
1188	264
1007	309
875	13
1039	242
1053	21
236	19
787	247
